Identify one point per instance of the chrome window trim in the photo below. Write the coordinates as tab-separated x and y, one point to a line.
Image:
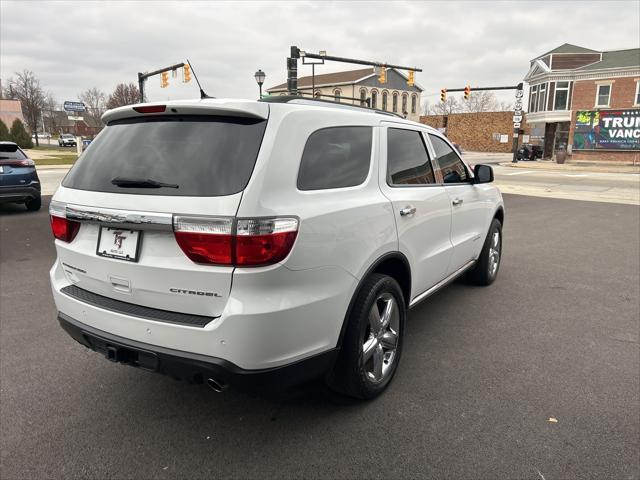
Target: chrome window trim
120	218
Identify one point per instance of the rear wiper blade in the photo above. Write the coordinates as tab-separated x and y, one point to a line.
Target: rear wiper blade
141	183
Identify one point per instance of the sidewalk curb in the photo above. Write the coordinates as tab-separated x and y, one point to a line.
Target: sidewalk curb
54	167
555	167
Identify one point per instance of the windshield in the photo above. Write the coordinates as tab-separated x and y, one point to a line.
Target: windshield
196	155
66	135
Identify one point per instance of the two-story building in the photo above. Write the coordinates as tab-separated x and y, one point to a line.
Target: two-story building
395	95
586	103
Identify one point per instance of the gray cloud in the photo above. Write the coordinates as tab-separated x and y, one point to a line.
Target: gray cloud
77	45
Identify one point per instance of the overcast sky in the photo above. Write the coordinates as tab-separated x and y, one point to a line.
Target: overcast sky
77	45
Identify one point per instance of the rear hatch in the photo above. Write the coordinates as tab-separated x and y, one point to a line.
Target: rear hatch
16	169
141	178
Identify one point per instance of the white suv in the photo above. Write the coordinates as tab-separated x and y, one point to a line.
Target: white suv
252	242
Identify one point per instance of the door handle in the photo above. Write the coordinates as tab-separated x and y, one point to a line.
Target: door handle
407	211
457	201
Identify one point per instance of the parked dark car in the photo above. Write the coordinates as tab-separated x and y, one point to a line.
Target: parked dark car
19	182
529	152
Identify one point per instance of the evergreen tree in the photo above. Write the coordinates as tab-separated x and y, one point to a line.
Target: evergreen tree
4	132
20	135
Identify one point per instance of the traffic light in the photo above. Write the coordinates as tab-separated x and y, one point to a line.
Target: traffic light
467	92
382	78
443	95
186	73
164	79
411	81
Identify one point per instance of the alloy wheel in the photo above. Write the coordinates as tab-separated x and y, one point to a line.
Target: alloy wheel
380	344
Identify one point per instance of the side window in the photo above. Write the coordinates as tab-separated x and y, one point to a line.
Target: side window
335	157
447	161
407	158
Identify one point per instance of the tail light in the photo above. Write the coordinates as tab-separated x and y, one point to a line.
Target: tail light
255	242
264	241
27	162
62	228
205	239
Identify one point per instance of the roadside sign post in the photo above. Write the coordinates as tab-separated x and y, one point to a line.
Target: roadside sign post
74	108
517	119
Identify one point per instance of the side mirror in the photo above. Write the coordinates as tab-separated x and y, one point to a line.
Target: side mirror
483	174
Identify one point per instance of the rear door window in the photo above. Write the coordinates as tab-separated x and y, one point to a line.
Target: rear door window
335	157
188	155
407	159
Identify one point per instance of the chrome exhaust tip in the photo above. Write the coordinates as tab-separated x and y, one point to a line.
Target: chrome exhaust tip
216	385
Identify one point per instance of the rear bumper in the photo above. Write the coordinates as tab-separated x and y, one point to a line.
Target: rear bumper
193	367
19	193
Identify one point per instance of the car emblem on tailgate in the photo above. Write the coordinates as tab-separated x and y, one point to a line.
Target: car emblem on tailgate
194	292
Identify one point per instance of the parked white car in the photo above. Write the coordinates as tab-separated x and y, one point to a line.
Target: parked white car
243	242
67	140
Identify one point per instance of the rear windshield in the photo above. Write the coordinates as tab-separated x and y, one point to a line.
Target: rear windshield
188	155
10	151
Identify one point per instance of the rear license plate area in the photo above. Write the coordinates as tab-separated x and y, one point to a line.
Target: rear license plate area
119	243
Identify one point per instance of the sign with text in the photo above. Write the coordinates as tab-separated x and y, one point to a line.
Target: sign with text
74	106
607	130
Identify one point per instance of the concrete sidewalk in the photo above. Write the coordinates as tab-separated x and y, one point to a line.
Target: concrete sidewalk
574	167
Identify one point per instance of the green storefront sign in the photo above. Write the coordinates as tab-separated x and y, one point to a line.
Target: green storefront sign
607	130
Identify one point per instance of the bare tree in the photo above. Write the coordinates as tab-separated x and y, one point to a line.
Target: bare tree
124	94
484	101
95	100
451	105
426	107
49	114
506	106
26	88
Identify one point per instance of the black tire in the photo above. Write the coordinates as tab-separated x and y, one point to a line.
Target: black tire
350	375
482	273
34	204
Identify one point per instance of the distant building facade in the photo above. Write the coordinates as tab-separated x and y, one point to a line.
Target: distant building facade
393	96
479	131
10	110
58	122
586	102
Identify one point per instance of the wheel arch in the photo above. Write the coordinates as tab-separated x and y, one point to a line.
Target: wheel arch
393	264
499	214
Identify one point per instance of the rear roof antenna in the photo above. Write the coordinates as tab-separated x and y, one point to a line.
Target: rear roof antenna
202	94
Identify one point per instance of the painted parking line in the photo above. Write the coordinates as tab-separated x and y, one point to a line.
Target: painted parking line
519	173
577	175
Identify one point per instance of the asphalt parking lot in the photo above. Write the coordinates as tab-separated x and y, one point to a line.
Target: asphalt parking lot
483	372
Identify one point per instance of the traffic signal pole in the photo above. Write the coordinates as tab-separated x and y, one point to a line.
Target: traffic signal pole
142	77
517	111
296	53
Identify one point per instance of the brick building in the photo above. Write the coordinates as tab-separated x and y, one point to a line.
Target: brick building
586	103
479	132
393	96
10	110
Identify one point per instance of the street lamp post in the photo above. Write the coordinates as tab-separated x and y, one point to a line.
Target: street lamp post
260	76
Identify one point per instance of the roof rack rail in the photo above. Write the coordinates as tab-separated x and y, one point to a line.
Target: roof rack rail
290	98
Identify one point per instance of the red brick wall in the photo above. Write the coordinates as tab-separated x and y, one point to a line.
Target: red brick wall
474	131
623	92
